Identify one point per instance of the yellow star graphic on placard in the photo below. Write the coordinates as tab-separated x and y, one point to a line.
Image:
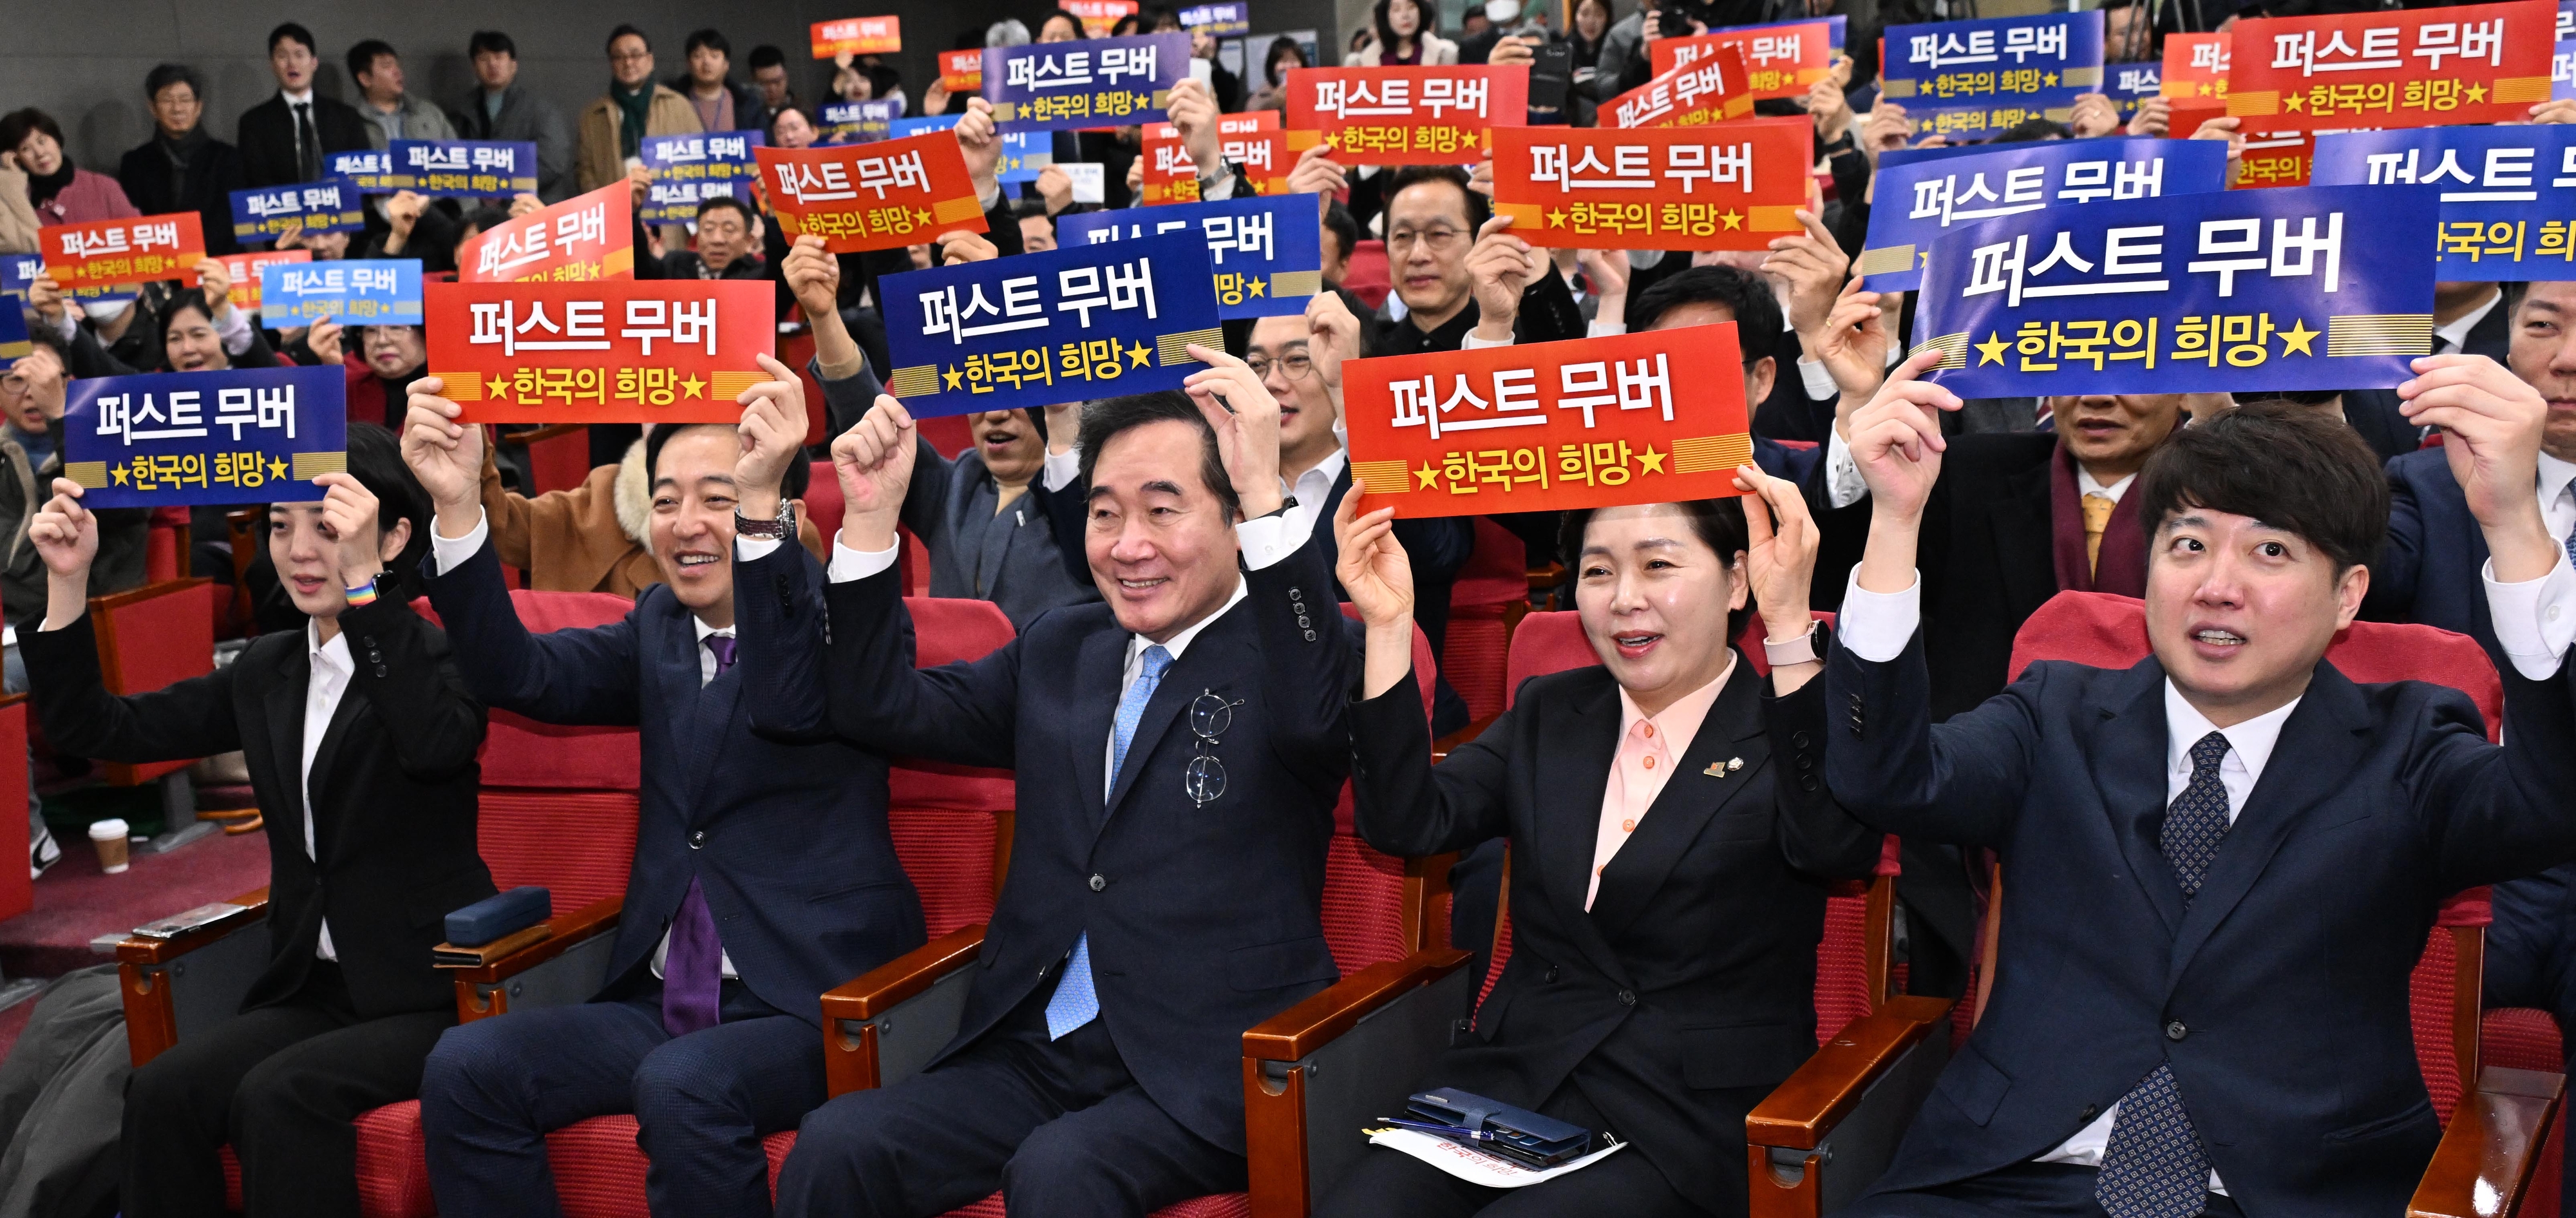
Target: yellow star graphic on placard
2048	79
1255	287
693	387
498	389
1650	461
1138	354
1734	219
1992	350
1556	219
1428	475
2204	88
276	470
119	473
2294	103
956	380
2299	338
921	216
2477	93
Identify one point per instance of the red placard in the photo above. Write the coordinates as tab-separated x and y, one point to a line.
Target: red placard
962	71
1734	187
141	249
589	236
1226	124
1097	16
1589	423
1404	116
2195	68
1710	90
612	351
1169	176
2276	160
875	196
858	36
2478	63
244	268
1779	60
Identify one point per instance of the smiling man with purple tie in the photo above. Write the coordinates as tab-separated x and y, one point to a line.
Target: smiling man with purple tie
763	874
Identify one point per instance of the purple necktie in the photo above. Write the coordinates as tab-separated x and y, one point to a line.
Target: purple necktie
693	970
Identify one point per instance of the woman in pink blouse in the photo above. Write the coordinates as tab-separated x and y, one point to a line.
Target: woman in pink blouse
63	193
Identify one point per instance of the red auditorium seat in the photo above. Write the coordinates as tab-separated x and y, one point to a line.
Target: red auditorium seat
1485	605
148	638
2493	1129
1369	277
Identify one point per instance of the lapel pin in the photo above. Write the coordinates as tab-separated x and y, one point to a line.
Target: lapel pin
1720	769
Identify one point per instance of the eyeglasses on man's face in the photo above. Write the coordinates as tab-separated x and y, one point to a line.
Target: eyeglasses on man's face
1437	240
1296	366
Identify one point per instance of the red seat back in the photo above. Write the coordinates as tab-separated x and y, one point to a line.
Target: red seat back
823	498
150	638
1368	277
950	822
1485	606
1366	920
2108	631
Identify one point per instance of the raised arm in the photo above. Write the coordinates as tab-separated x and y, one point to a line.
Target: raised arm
778	605
403	670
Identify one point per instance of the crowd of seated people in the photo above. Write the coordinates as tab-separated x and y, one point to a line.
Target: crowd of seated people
1183	705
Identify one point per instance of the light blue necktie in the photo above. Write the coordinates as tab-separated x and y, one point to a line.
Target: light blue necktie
1075	1003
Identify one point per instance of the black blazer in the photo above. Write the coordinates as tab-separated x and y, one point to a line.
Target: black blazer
214	170
393	788
2428	572
266	136
2280	994
787	840
1204	921
1687	992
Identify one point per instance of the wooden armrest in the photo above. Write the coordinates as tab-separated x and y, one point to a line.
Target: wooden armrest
1441	748
882	988
541	434
136	949
561	934
1300	1030
1802	1112
1553	575
2484	1165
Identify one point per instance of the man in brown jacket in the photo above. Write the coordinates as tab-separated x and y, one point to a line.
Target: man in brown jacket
613	126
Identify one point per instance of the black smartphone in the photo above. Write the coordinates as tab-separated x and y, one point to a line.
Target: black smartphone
1551	74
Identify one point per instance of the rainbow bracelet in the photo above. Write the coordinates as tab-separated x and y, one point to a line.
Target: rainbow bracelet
363	595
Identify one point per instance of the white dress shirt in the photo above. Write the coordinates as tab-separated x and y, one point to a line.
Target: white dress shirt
2454	338
2557	497
329	682
1310	490
452	551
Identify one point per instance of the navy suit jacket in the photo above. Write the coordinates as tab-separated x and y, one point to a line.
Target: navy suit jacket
1204	921
2429	571
2280	994
787	840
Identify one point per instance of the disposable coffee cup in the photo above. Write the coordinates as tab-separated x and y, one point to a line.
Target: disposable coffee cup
109	837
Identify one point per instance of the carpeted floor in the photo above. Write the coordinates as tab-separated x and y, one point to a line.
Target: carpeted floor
76	902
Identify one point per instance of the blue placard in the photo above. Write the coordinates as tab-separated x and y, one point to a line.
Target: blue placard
464	169
367	292
19	270
690	168
2507	194
1228	20
1075	323
859	122
1266	254
372	170
1923	193
329	206
13	337
1097	82
2236	291
244	435
2562	61
1024	153
1974	79
2129	85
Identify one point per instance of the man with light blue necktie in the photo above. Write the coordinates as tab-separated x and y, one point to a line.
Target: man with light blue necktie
1179	751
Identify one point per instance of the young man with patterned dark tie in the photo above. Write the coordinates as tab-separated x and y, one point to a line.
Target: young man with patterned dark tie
2223	861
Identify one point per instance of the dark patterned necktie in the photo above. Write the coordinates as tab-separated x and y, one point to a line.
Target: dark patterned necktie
693	970
308	146
2153	1166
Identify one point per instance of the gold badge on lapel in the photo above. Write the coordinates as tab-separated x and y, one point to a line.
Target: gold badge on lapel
1720	769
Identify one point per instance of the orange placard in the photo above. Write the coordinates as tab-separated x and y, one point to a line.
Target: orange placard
244	268
1710	90
1779	60
1404	116
589	236
613	351
1169	176
962	71
1097	16
2476	63
140	249
2195	68
858	36
1583	424
1734	187
873	196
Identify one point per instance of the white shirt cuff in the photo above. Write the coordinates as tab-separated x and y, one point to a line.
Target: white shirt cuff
1605	329
1267	540
1818	382
753	549
1876	625
1843	483
66	326
849	564
234	330
452	552
1473	343
2535	619
1062	468
1219	190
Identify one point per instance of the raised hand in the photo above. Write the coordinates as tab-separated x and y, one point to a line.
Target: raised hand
1501	266
324	340
1886	131
1317	173
1332	335
873	460
348	509
447	456
813	277
1056	187
215	283
1852	342
524	204
2094	115
2491	423
773	438
2154	116
65	533
1780	562
1828	105
1193	112
1246	420
1373	568
981	141
963	246
1814	267
1896	439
